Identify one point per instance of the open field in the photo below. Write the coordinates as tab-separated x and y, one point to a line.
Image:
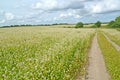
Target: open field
43	53
54	53
60	40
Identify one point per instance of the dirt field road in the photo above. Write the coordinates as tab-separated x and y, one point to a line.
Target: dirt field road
96	68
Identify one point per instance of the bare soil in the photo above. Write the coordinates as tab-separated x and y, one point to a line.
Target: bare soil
96	69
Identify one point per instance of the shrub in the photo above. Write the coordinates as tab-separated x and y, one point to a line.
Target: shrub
79	25
98	24
115	24
111	24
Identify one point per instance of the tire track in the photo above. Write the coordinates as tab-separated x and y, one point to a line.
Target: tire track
117	47
96	68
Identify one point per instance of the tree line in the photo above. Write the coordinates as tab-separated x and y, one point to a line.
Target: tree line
81	25
115	23
112	24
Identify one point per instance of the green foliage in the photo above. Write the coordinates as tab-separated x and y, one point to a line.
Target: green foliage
79	25
115	24
111	24
112	57
117	20
113	34
93	26
118	29
97	24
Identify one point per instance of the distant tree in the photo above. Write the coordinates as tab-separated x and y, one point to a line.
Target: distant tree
111	24
79	25
98	24
114	24
117	22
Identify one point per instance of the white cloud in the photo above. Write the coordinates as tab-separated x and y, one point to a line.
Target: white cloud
57	5
45	4
37	20
2	21
61	10
78	16
9	16
63	15
6	17
71	14
103	6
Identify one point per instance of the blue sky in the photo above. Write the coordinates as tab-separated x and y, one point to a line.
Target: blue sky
57	11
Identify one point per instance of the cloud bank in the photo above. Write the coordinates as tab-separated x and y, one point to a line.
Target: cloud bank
53	11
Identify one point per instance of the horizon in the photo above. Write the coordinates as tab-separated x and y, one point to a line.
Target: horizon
37	12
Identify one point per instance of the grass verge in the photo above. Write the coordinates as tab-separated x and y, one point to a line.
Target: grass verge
118	29
111	56
113	38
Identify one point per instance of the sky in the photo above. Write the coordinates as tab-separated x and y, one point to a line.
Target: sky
15	12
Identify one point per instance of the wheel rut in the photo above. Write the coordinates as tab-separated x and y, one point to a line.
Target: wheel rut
117	47
96	69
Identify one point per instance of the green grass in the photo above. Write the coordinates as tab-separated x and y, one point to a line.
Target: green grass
111	56
64	26
104	25
118	29
114	39
113	34
42	53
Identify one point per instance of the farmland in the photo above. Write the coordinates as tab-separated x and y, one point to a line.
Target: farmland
43	53
54	53
60	40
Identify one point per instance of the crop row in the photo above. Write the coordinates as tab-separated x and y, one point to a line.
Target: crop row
43	53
